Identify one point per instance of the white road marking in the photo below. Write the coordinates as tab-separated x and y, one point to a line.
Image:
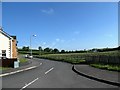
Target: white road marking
17	71
1	75
26	85
49	70
40	63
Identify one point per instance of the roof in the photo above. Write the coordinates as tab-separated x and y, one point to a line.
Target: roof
6	34
14	37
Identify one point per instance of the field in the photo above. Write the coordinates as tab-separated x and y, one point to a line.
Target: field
70	58
107	60
111	59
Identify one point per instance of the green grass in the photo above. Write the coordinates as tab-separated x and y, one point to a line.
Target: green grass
70	58
23	60
4	68
107	67
77	58
80	58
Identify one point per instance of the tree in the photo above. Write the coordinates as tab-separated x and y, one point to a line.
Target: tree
62	51
119	48
56	50
25	48
47	49
40	48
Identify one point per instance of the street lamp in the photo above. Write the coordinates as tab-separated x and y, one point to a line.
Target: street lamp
31	45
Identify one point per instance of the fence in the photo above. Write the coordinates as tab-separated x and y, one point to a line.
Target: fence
7	62
103	59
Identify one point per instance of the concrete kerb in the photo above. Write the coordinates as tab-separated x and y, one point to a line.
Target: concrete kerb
95	78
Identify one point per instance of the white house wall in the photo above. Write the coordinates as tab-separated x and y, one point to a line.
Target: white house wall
5	45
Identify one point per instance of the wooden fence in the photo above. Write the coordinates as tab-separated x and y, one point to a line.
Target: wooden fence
7	62
102	59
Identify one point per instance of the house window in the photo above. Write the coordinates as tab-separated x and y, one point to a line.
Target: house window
3	53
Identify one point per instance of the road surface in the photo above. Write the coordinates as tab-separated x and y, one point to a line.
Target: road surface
50	74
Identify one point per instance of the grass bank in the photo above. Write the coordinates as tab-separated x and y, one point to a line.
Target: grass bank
107	67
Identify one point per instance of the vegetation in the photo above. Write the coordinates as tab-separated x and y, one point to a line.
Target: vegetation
25	48
4	68
47	50
23	60
107	58
74	59
108	67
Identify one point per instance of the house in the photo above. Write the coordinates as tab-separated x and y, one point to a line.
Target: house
8	45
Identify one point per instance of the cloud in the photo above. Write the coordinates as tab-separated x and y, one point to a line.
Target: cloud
48	11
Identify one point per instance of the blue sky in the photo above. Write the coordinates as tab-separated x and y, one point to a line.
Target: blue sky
0	14
69	26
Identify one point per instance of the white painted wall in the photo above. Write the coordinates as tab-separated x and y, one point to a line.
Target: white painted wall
4	45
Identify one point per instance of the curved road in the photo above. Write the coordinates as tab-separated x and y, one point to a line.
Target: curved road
50	74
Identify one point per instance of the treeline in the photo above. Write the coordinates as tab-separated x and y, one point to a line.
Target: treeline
48	50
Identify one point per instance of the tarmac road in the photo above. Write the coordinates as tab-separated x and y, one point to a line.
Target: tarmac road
50	74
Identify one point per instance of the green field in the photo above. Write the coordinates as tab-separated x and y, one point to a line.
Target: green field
80	58
70	58
109	53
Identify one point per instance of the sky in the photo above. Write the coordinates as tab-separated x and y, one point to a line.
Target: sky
62	25
0	14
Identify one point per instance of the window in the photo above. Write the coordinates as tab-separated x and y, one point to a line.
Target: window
3	53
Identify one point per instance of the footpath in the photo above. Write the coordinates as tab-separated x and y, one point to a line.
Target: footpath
109	77
31	64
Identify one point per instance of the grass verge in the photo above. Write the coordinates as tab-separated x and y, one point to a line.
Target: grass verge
107	67
23	60
4	68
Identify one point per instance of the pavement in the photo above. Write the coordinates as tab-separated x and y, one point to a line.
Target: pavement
23	67
110	77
